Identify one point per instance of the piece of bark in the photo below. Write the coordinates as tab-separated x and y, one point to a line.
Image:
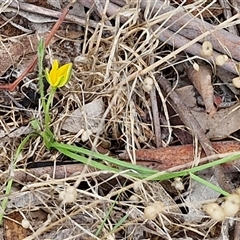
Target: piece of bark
220	39
186	25
56	172
168	157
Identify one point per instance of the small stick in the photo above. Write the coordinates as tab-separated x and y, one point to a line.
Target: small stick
155	114
156	118
27	7
30	67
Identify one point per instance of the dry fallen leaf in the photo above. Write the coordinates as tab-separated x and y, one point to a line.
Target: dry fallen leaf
202	81
218	127
187	95
13	228
21	131
224	122
89	116
196	196
11	52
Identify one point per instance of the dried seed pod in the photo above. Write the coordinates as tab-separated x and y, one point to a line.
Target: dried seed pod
214	211
86	135
196	66
236	82
231	205
221	59
69	195
207	49
152	210
148	84
178	184
25	223
237	67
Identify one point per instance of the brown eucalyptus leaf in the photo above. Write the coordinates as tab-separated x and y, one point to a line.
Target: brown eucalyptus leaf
202	81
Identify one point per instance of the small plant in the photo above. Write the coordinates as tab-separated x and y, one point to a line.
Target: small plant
57	77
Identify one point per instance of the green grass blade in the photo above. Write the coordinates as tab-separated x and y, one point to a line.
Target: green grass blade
98	165
106	217
115	161
87	161
41	50
208	184
165	176
120	222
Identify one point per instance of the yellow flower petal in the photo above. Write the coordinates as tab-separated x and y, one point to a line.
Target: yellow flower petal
47	75
55	65
64	72
59	81
58	76
53	72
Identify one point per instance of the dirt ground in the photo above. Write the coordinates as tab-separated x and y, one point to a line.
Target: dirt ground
154	84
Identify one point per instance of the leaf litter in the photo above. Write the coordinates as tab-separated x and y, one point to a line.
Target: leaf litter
108	95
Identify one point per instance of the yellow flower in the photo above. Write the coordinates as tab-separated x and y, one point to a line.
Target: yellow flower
58	76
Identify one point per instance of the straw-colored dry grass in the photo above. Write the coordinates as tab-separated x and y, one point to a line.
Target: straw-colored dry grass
110	62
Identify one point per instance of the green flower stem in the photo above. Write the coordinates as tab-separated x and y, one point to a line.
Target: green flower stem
49	101
47	135
40	72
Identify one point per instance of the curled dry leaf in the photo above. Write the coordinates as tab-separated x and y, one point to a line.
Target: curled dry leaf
202	81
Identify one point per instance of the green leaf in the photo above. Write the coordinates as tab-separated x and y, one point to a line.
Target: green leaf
142	170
